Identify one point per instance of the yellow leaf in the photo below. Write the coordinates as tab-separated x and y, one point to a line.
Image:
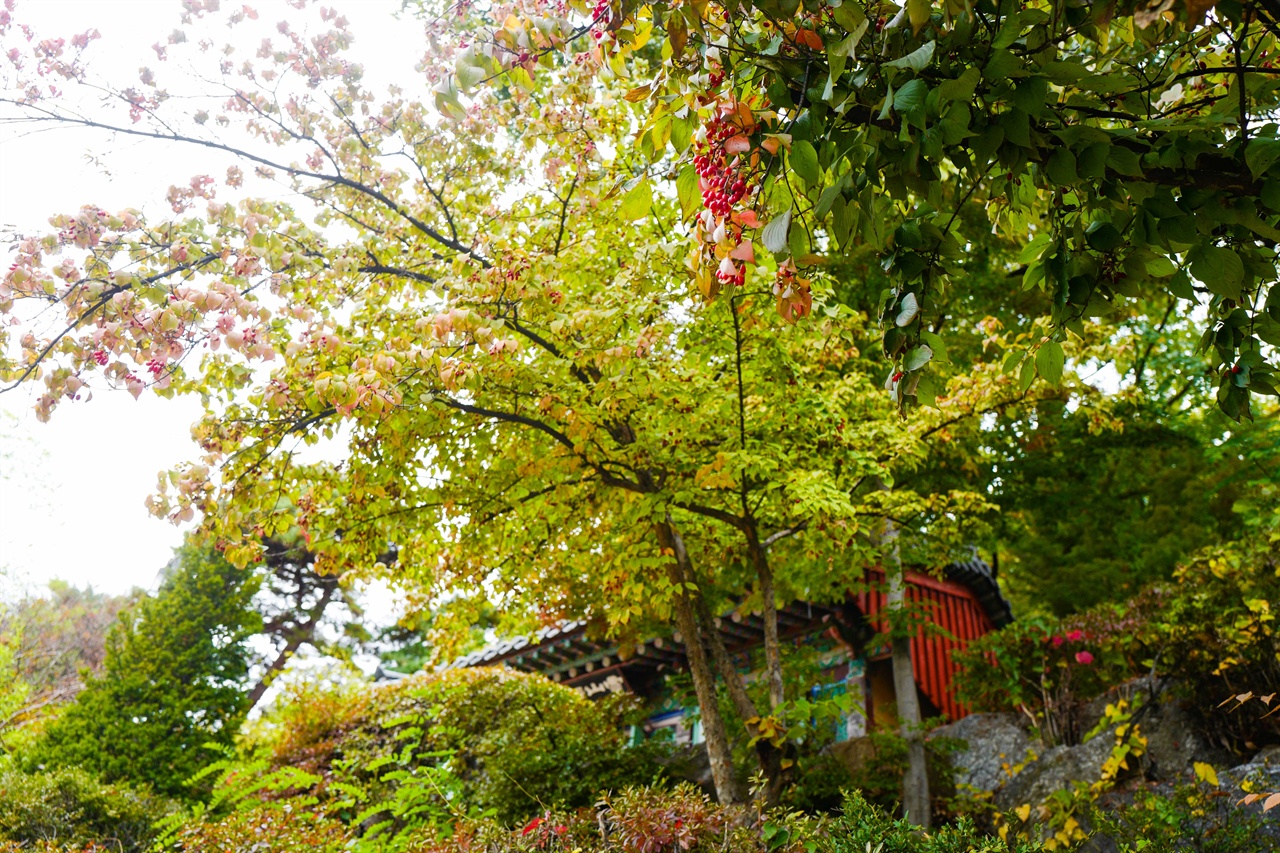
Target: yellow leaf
1023	812
1206	773
918	12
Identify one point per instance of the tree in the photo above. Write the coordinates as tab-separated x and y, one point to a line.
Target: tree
1129	149
299	607
496	332
172	681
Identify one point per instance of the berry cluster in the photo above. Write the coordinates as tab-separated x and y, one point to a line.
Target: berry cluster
723	185
600	18
100	356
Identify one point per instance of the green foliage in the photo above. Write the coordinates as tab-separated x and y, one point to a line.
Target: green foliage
1192	818
172	682
1091	515
865	826
1211	629
70	806
503	742
277	830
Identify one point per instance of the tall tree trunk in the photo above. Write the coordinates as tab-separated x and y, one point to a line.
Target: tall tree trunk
728	791
768	756
769	612
915	784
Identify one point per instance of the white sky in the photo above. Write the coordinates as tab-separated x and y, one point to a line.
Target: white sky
72	490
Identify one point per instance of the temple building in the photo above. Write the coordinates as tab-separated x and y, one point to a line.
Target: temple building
960	606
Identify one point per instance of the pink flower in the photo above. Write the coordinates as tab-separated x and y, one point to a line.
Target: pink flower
1075	636
1084	658
1057	641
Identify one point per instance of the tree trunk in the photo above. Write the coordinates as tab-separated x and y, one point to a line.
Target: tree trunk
915	784
769	606
728	791
768	756
259	690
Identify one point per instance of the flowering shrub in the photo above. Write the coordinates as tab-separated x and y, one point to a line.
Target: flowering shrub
1047	669
1211	630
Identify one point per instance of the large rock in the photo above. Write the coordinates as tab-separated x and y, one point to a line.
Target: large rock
1057	769
995	745
1174	740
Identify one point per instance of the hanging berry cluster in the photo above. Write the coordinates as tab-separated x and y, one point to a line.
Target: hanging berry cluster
724	165
723	181
600	16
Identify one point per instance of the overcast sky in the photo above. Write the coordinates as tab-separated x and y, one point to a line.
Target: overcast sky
72	490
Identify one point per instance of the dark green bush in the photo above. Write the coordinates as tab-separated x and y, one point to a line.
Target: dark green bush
71	807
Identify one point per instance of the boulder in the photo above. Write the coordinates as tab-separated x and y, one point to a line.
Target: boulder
994	745
1174	741
1057	769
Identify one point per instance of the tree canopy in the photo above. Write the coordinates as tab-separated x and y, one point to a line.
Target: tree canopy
614	312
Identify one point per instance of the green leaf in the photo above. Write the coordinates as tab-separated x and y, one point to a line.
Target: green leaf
638	201
827	199
1035	248
1260	154
911	96
936	344
1001	66
1050	361
1026	376
687	191
961	88
1103	236
917	357
804	161
916	59
918	12
774	235
1124	161
849	16
908	308
682	132
1220	269
1031	95
1061	168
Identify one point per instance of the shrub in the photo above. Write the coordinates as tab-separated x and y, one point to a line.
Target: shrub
865	826
277	830
517	744
1190	818
635	820
1048	669
1211	630
73	808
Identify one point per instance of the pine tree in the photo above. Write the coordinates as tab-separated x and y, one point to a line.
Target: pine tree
173	681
